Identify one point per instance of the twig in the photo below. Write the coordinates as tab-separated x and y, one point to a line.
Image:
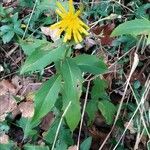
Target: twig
83	112
29	19
11	51
9	75
123	5
122	56
135	63
140	110
110	17
62	117
8	56
138	138
144	96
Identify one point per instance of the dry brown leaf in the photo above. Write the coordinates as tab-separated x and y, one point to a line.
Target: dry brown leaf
104	31
72	147
8	104
4	139
47	121
89	43
130	127
29	88
78	46
52	33
6	87
25	87
27	109
16	81
46	31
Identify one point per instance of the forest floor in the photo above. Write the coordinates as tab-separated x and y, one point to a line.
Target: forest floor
24	27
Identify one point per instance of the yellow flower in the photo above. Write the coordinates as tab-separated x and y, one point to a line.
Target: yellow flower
70	23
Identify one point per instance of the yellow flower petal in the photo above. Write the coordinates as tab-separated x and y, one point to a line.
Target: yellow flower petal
78	13
70	23
61	7
83	24
69	33
60	31
82	30
65	38
56	25
75	36
71	7
60	13
79	36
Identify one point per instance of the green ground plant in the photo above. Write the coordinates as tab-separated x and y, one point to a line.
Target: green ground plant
68	93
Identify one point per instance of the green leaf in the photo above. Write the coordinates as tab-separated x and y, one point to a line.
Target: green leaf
8	36
6	28
108	110
133	27
26	3
99	89
25	124
73	114
14	18
98	92
4	128
17	29
136	84
42	7
65	139
43	56
50	134
30	45
2	11
34	147
65	136
47	4
91	109
86	144
72	89
46	97
60	146
8	146
91	64
142	11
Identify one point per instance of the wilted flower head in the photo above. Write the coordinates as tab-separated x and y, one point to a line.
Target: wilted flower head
70	23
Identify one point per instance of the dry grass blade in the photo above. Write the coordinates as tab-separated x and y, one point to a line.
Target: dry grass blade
57	132
143	99
82	116
135	63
